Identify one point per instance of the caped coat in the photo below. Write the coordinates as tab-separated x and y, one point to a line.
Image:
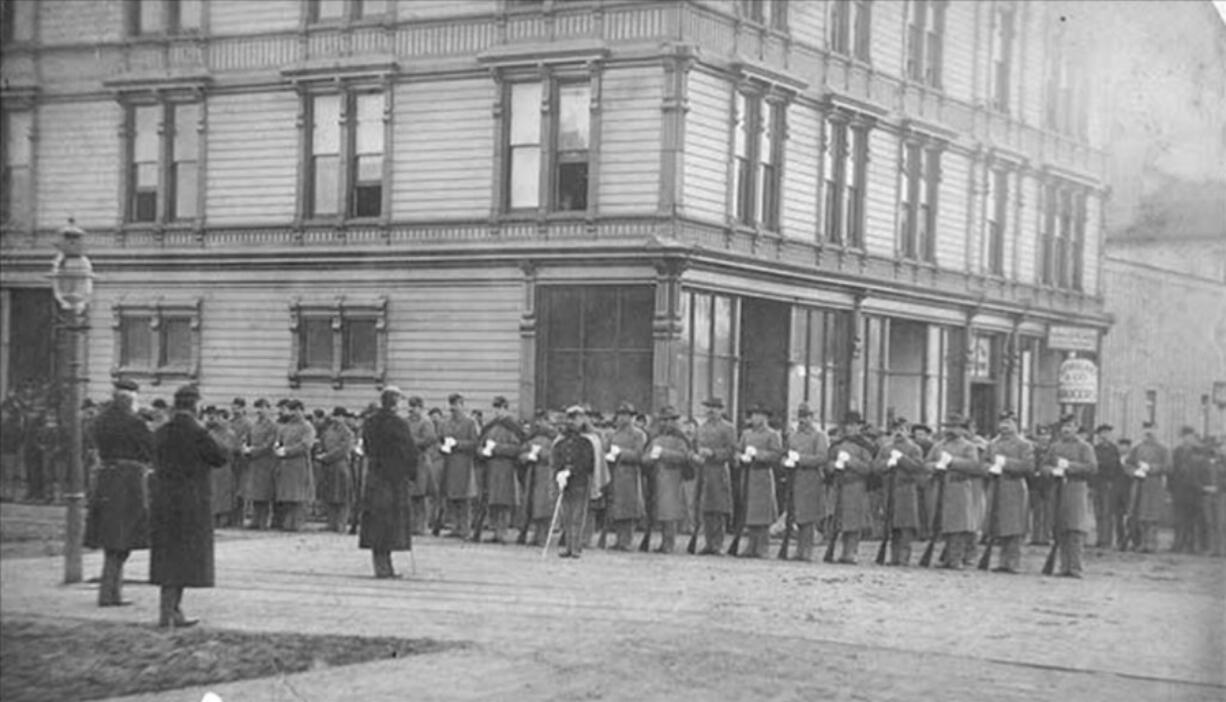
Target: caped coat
1153	493
540	490
391	460
856	513
1073	512
180	503
1012	499
667	474
627	489
500	473
295	482
909	471
761	509
459	478
426	440
719	436
223	486
262	462
808	487
336	442
117	517
958	514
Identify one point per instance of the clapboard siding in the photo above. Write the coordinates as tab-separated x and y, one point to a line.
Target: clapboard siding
424	9
959	47
252	157
951	212
800	173
887	34
1027	243
1090	261
807	22
629	176
78	163
77	22
246	17
881	193
443	149
706	147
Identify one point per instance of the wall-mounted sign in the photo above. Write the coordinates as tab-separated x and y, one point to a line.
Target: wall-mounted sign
1078	382
1066	338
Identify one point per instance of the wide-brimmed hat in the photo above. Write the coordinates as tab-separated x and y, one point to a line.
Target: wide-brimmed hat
669	412
716	402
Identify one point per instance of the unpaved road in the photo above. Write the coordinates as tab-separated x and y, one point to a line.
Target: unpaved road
638	626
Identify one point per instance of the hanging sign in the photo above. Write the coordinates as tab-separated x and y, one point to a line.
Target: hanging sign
1078	382
1066	338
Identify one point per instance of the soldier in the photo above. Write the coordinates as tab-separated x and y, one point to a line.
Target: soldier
851	456
577	464
336	442
1106	486
117	519
216	421
670	455
386	523
424	491
1011	458
921	434
500	442
625	455
459	444
1041	492
716	441
906	459
1189	475
808	449
1071	459
1149	462
540	487
956	454
241	466
759	452
295	483
262	466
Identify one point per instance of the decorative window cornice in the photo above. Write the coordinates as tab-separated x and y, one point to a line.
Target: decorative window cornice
338	311
158	312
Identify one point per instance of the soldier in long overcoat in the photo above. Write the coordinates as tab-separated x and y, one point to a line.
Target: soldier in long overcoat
759	452
903	456
336	443
295	481
1149	462
424	490
1011	458
223	486
262	464
180	507
540	490
851	458
625	456
241	465
500	442
958	456
392	465
117	519
717	442
1071	459
668	454
459	434
812	449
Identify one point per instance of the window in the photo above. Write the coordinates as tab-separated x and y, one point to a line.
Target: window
163	162
158	341
820	361
1151	406
997	218
325	11
17	203
345	155
1002	57
564	166
153	17
921	185
338	342
925	40
1066	111
708	357
19	20
845	170
769	13
850	23
1063	240
758	151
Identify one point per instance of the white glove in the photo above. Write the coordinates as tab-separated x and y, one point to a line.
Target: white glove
1062	463
1141	473
944	461
1210	489
791	459
746	457
360	450
1144	466
534	452
656	451
246	449
448	444
1059	471
998	465
488	449
562	479
611	456
751	451
279	451
895	455
840	461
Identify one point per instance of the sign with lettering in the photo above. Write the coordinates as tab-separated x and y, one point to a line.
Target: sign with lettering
1078	382
1066	338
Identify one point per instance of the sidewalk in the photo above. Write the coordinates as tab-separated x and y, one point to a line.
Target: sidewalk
639	626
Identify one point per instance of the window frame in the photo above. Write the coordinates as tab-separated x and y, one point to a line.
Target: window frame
10	217
347	176
924	48
919	200
171	19
996	220
1004	38
166	190
851	29
845	148
159	312
758	181
338	311
10	23
352	12
769	14
1065	214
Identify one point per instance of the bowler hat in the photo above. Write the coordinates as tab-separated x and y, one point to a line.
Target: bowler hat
261	403
921	427
340	412
500	402
293	404
803	410
127	384
626	408
715	402
853	417
669	412
187	392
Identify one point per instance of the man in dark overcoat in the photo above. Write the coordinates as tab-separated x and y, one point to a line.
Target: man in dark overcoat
118	519
336	443
717	443
391	456
808	450
181	519
1072	460
500	442
459	434
262	464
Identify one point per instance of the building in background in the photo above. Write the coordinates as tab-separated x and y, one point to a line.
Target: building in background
881	205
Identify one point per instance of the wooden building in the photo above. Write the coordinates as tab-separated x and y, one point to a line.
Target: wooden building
873	205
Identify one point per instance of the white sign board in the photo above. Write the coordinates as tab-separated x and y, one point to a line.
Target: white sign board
1065	338
1078	382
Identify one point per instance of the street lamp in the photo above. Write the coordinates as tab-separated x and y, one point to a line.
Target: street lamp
72	282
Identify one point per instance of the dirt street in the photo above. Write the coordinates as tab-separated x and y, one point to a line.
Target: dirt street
639	626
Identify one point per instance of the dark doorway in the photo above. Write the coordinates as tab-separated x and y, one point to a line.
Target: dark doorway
983	408
31	328
765	330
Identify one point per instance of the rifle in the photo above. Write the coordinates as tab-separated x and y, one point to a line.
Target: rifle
791	507
1050	564
993	525
744	511
650	490
889	514
523	532
836	520
698	490
938	518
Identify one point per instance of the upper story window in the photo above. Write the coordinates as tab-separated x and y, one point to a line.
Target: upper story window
157	340
552	155
345	155
17	196
324	11
1063	240
18	20
768	13
1066	91
338	341
154	17
845	169
925	41
997	207
850	24
1002	56
920	188
163	155
758	151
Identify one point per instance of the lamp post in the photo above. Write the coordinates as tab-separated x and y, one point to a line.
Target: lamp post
72	282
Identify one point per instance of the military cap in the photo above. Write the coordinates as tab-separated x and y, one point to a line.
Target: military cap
339	411
716	402
853	417
956	420
293	404
1149	425
1103	427
454	398
921	427
127	384
500	402
669	412
262	402
803	410
159	403
626	408
416	401
239	402
185	392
